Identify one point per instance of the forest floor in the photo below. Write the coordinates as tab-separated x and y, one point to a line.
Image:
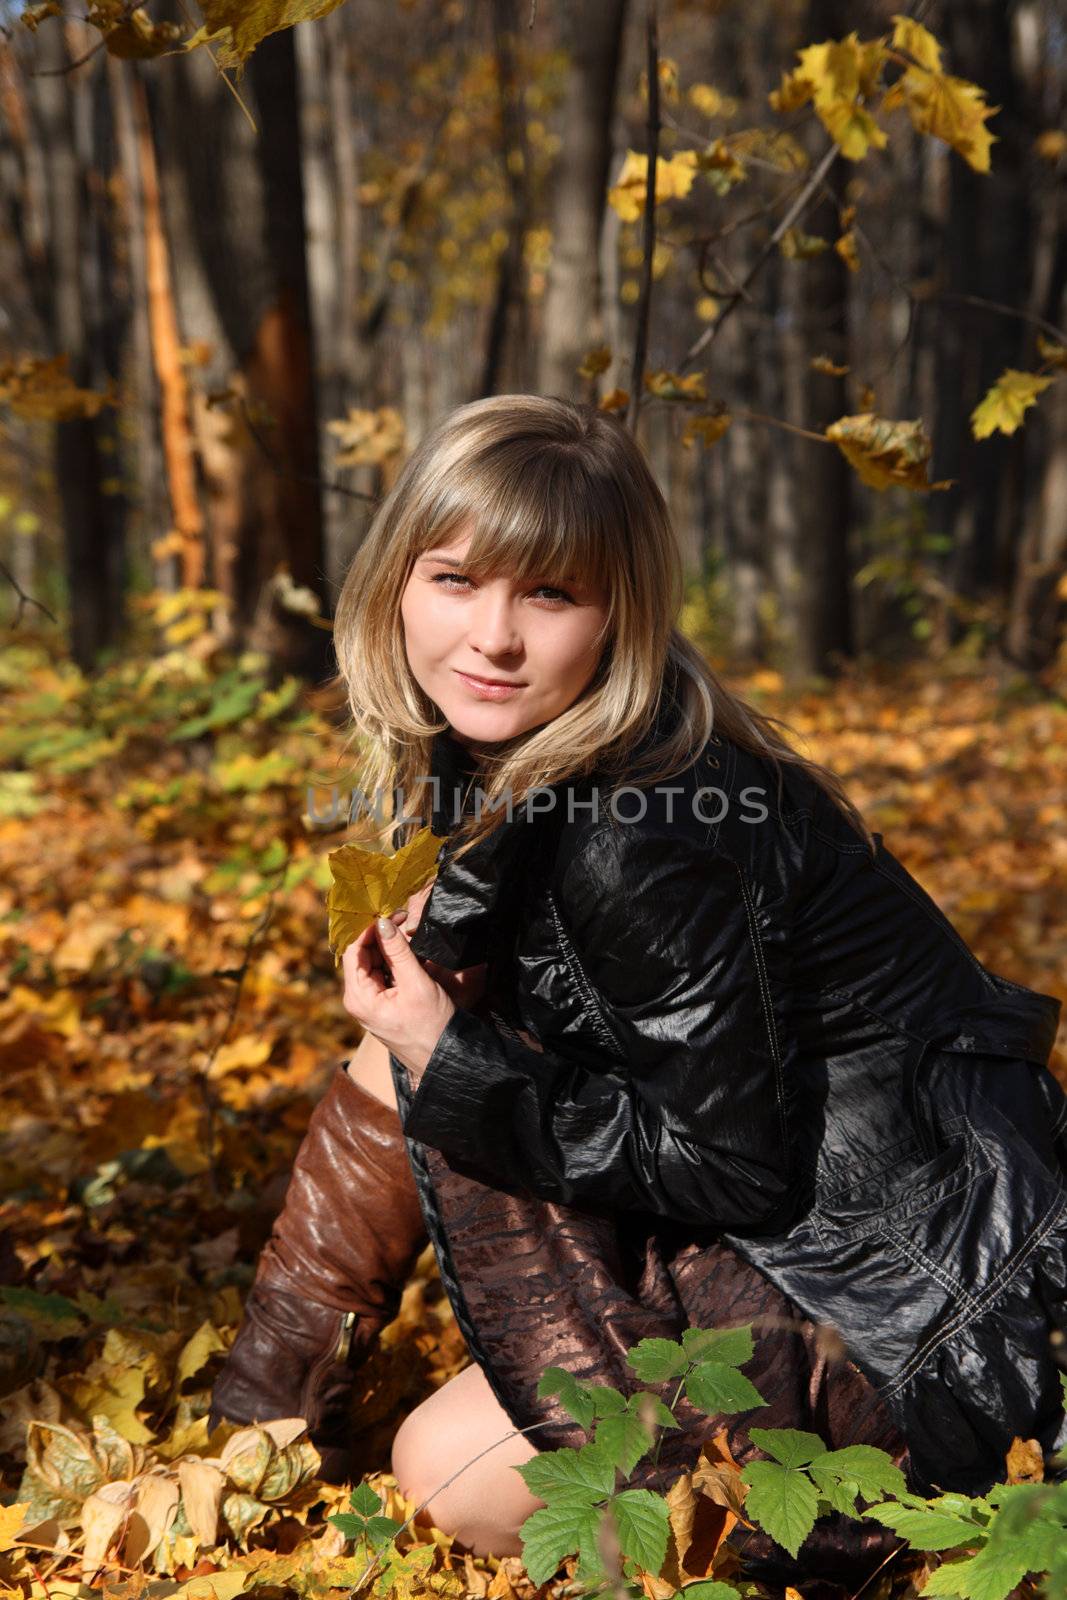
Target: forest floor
170	1012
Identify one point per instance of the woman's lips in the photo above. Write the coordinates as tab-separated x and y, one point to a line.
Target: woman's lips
489	691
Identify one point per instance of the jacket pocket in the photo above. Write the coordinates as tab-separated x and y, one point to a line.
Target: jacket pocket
905	1186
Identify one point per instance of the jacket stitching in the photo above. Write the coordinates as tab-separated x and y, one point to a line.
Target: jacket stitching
768	1009
581	981
890	1156
856	1230
962	1296
1060	1120
999	1282
892	1023
936	916
838	844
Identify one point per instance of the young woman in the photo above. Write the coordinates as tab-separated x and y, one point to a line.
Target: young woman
672	1040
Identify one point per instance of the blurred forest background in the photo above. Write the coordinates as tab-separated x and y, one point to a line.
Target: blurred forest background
241	272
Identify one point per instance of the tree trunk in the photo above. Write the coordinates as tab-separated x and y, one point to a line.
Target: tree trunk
571	324
235	198
72	118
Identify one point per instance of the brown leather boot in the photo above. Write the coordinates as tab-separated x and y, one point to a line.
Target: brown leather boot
330	1276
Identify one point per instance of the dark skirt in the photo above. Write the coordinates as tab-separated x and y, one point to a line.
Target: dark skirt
535	1284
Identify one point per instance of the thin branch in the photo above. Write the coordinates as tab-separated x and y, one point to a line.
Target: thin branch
218	68
299	477
373	1565
644	304
24	598
796	210
71	66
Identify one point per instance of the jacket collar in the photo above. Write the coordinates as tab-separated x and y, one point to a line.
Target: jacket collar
463	920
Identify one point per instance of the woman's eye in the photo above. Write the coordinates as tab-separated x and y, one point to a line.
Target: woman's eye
446	579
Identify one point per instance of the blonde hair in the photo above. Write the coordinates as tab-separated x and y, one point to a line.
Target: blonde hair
547	487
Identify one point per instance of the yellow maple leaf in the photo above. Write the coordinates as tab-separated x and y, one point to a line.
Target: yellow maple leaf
846	249
918	41
11	1520
674	179
950	109
1051	144
1003	406
235	27
370	883
1052	351
708	429
132	35
670	386
42	390
596	361
838	75
796	245
827	365
884	453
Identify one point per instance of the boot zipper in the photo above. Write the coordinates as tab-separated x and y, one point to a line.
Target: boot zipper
344	1340
323	1364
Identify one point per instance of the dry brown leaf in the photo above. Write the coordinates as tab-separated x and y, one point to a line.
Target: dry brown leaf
202	1485
103	1518
154	1509
1025	1462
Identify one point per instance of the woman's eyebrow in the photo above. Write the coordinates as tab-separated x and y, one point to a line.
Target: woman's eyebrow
454	560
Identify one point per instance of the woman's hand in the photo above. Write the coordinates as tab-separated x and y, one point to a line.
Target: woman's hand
466	987
410	1015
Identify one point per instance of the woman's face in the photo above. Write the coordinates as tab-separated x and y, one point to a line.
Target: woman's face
540	639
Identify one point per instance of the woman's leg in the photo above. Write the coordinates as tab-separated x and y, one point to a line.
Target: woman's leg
369	1066
487	1504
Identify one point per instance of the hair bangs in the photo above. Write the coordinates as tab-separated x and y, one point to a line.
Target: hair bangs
535	517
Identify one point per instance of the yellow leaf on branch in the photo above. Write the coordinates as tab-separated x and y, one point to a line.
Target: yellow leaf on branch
1003	407
674	179
708	429
884	453
370	883
44	391
235	27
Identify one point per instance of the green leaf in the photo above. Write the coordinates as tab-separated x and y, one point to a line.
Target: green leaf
790	1446
730	1345
625	1439
990	1575
585	1475
351	1527
655	1360
709	1589
871	1470
380	1530
714	1387
365	1500
658	1411
780	1501
926	1530
643	1521
555	1532
837	1495
573	1395
607	1402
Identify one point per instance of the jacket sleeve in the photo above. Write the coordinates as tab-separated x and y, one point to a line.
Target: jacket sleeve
682	1113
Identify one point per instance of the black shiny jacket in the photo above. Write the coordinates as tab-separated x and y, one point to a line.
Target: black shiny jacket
748	1022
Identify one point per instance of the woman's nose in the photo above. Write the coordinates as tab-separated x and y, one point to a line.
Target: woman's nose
493	627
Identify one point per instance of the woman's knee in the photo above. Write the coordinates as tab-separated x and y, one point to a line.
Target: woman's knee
443	1439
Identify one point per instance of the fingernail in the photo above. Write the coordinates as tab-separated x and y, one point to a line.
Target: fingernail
386	927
